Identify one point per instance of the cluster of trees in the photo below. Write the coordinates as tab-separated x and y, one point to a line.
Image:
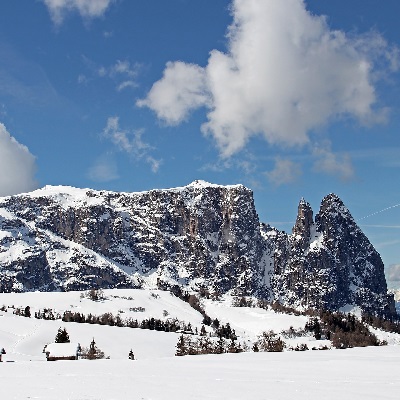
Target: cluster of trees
225	331
47	314
94	295
380	323
344	330
302	347
292	333
92	352
192	345
269	341
194	302
21	311
170	325
266	305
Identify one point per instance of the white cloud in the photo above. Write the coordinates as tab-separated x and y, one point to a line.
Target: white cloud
17	165
123	67
182	89
285	74
103	170
122	72
130	142
333	164
118	136
58	9
284	172
154	163
126	84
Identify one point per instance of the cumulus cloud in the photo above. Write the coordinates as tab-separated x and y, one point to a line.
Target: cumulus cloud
182	89
284	75
285	171
338	165
58	9
17	166
130	142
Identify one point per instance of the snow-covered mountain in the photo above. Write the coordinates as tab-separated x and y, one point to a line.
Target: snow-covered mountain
199	237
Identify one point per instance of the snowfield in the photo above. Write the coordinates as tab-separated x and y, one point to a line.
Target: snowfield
363	373
370	373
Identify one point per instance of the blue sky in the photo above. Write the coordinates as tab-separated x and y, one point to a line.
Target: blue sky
293	99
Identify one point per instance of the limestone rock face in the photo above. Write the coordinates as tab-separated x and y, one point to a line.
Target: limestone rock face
201	236
329	263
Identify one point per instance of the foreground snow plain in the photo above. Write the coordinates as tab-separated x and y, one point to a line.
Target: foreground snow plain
366	373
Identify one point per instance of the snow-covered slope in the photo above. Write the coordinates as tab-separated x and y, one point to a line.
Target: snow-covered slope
24	338
199	237
158	374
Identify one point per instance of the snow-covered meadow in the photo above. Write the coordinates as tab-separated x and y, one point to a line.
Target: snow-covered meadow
157	374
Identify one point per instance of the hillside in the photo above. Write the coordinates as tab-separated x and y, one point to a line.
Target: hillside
157	374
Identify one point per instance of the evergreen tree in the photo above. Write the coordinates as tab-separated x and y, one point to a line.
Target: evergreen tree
270	341
27	312
131	356
93	352
232	347
181	349
62	336
220	347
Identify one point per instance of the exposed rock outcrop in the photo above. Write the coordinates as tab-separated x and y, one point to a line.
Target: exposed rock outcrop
199	236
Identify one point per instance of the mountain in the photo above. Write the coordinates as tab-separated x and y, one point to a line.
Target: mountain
329	263
201	237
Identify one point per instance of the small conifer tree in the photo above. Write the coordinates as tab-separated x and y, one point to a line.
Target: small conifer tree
181	349
93	352
62	336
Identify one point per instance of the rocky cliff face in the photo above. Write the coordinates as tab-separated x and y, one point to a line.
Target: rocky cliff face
199	236
329	263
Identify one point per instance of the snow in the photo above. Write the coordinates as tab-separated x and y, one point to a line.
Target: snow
250	322
316	239
350	374
368	373
62	349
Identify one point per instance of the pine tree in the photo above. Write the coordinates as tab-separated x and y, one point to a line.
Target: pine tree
232	347
27	312
62	336
203	331
220	348
93	352
181	349
131	356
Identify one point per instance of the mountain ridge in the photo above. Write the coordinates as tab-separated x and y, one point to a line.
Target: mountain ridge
201	236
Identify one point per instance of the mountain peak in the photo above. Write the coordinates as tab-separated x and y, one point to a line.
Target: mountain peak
200	236
304	220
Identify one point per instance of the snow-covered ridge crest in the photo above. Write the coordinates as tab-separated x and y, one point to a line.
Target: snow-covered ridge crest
197	237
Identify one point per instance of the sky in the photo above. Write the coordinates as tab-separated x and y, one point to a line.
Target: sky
291	98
